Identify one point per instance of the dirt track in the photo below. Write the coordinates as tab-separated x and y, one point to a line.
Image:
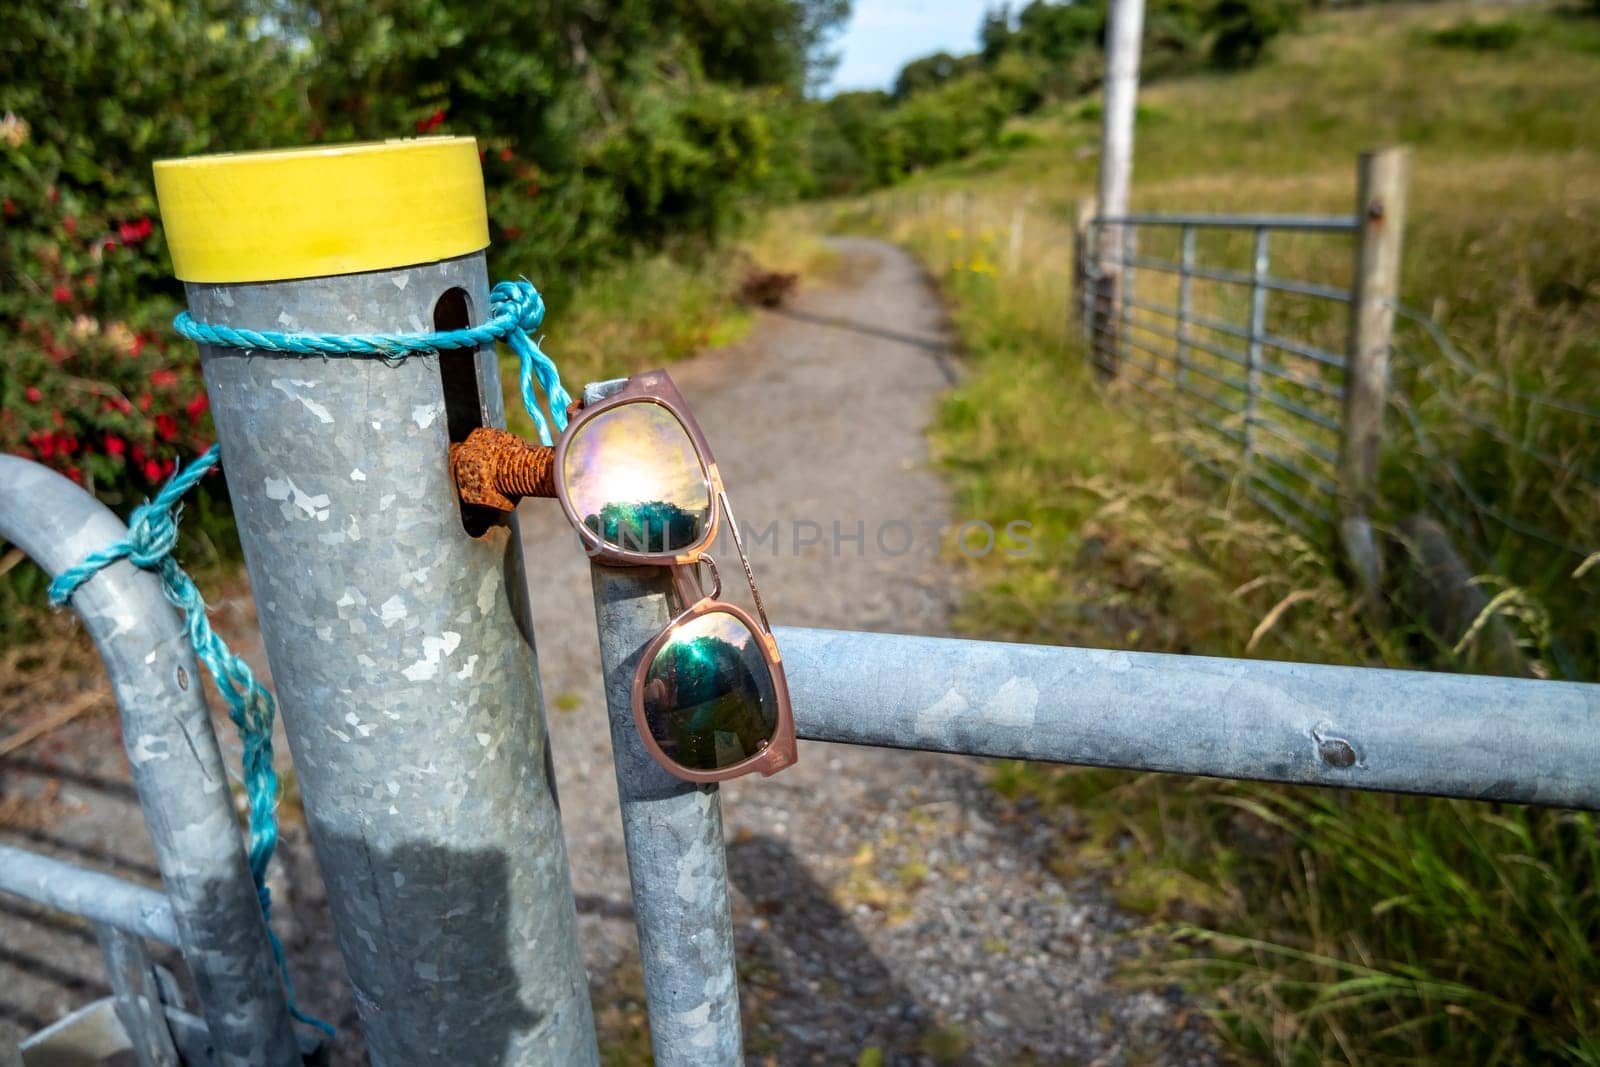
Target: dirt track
882	899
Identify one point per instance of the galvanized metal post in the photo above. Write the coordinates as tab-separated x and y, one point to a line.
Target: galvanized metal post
133	984
177	768
1185	297
1124	289
400	642
1380	220
1085	272
673	831
1259	264
1124	33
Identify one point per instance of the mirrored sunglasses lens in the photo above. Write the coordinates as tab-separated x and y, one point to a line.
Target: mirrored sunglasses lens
708	695
634	478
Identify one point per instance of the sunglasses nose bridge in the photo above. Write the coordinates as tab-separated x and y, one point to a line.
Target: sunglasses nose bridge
716	577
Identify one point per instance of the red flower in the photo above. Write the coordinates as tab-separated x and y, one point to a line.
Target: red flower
33	394
115	446
505	155
137	454
533	188
136	346
166	427
163	377
54	194
9	207
152	470
432	122
70	225
197	406
145	400
169	466
75	474
61	294
513	232
134	232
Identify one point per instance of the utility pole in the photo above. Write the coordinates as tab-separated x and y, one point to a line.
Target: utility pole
1123	35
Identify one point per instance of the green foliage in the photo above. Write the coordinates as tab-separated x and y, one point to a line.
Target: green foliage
947	107
930	72
1475	36
610	130
89	95
607	128
946	123
1243	28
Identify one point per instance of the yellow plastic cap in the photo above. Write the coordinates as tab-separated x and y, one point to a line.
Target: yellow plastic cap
311	212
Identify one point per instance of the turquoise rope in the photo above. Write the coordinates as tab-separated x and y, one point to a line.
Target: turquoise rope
152	533
516	310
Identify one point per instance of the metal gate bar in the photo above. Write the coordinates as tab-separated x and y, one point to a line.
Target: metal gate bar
1469	736
100	898
677	865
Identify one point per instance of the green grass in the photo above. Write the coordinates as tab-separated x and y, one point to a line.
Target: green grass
1315	926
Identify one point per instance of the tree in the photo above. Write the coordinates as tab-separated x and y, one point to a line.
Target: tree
1243	28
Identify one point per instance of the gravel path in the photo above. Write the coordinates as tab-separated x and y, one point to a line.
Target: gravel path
882	900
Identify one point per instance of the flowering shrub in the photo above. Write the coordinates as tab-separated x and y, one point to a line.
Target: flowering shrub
94	383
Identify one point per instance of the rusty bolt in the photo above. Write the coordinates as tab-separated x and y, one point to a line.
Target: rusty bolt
1375	210
494	468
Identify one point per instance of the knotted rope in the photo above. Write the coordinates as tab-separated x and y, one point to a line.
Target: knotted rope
516	310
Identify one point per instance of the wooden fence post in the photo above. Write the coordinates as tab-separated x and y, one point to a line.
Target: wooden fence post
1380	219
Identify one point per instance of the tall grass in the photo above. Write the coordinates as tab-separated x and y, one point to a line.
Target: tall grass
1315	926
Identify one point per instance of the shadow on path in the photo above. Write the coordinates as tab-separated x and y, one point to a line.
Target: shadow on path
804	948
937	347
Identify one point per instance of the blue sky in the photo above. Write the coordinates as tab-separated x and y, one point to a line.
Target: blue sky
883	34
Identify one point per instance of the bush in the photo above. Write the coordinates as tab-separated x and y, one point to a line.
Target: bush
90	386
1243	28
1478	36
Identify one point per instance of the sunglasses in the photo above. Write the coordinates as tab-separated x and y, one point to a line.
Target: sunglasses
638	482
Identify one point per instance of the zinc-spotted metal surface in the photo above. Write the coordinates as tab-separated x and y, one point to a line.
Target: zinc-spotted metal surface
405	672
1480	738
177	766
101	898
676	860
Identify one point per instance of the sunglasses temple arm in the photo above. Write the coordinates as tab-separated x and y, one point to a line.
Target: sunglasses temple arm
738	543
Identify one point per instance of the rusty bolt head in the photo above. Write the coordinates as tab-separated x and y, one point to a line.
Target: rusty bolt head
493	468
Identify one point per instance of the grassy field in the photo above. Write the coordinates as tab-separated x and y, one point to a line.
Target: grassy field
1315	926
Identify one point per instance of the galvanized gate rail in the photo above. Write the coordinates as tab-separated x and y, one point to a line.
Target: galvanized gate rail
1296	425
209	910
